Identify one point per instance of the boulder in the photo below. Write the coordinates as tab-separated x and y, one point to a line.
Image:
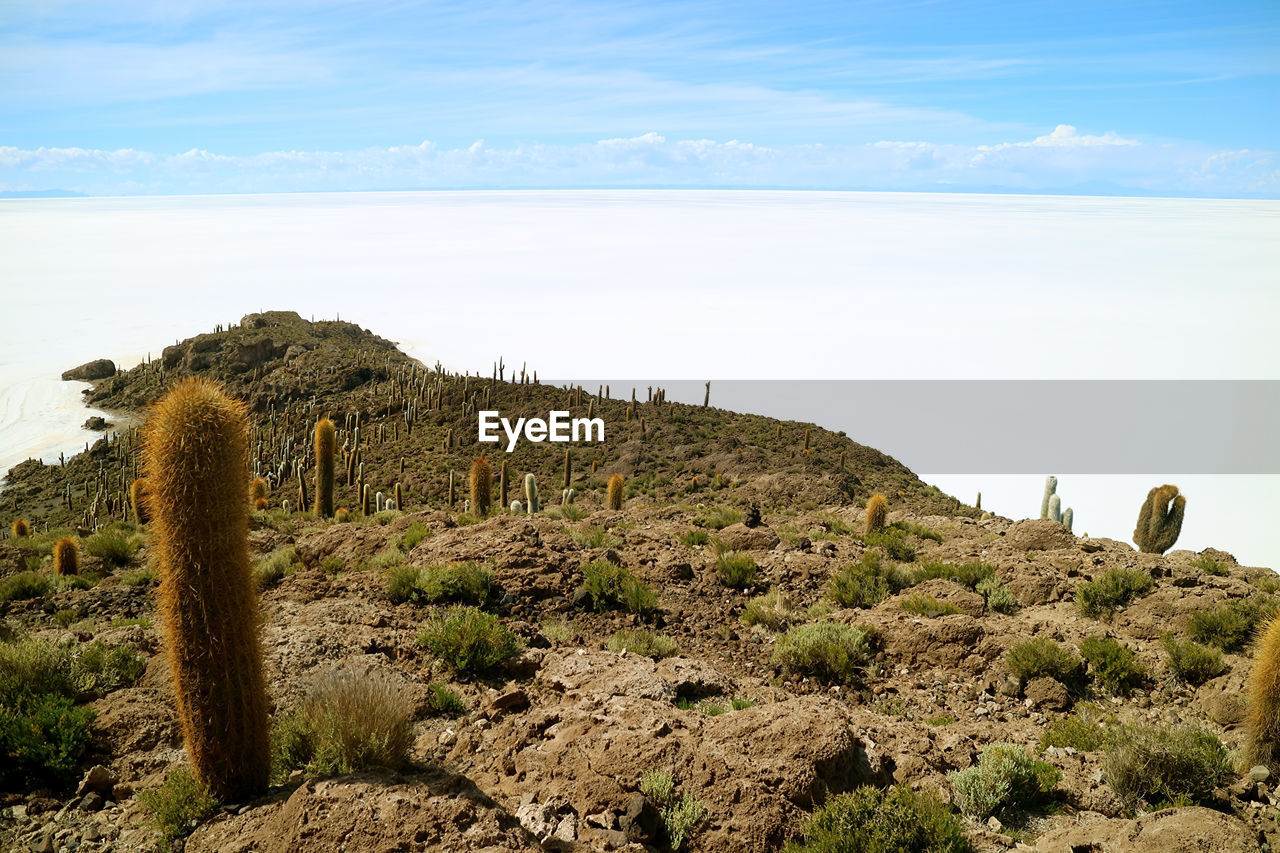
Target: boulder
90	371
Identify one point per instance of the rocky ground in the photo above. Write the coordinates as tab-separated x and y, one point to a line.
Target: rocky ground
550	750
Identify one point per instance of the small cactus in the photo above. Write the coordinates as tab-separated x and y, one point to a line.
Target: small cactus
261	504
66	557
1055	508
531	494
286	506
342	515
614	493
877	512
1160	520
481	485
1068	516
20	528
257	490
517	507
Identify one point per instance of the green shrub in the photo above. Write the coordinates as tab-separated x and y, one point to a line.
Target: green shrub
42	737
142	577
829	650
1113	666
1210	566
1041	657
717	517
413	534
332	565
468	583
24	585
268	570
774	610
1231	625
695	538
999	597
445	701
347	722
882	820
658	786
611	586
928	606
592	536
1162	766
98	669
968	574
558	631
643	642
917	530
115	546
470	640
680	819
736	569
1005	778
1191	662
1268	583
867	582
38	667
892	542
1115	589
176	804
1088	729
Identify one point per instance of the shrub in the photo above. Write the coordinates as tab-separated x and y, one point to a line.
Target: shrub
717	517
557	631
568	512
1161	766
332	565
643	642
658	786
736	569
176	804
39	667
1089	729
892	541
114	545
468	583
42	737
470	640
1268	583
1210	566
694	538
592	536
681	819
1115	589
1231	625
880	820
829	650
444	700
268	570
142	577
1112	665
413	534
774	610
98	669
866	583
612	586
928	606
24	585
917	530
1041	657
1191	662
1005	778
347	722
999	597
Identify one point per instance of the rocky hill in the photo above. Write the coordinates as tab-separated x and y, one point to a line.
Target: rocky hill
731	661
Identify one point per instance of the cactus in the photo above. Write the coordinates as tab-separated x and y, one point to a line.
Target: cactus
196	455
502	484
614	494
286	506
364	499
257	490
568	469
379	501
20	528
66	557
1263	721
1160	520
1050	486
516	506
877	512
326	442
1068	516
261	504
806	440
391	505
399	498
451	489
481	485
978	504
138	500
342	515
1055	508
530	494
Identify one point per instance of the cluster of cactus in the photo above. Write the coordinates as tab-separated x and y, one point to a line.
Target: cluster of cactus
567	496
481	486
1051	504
877	512
1160	520
196	454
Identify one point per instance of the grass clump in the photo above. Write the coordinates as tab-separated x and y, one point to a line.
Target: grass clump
928	606
999	597
612	587
176	804
557	631
332	565
695	538
828	650
1041	657
467	582
413	534
1113	666
24	585
593	536
114	545
444	700
39	667
867	582
42	738
658	786
774	610
736	569
717	517
1210	566
920	530
141	577
1005	778
892	542
882	820
680	820
268	571
643	642
1089	729
1101	598
1191	662
348	721
968	575
470	640
1165	766
1231	625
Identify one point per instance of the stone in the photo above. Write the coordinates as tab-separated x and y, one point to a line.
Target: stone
101	368
1259	773
99	779
92	802
1048	693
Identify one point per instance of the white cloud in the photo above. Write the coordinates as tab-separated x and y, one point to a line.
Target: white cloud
1063	160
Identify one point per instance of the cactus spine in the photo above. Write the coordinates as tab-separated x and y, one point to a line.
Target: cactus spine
196	449
481	486
1263	720
326	444
614	494
66	557
877	512
530	494
1160	520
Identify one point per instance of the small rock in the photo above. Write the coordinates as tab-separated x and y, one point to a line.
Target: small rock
90	833
447	737
512	700
98	779
44	844
1259	773
994	824
92	802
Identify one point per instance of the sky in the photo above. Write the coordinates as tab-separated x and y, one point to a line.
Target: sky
224	96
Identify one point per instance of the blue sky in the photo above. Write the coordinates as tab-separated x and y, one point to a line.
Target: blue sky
177	96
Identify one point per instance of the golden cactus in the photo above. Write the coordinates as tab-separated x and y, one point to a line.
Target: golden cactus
138	498
1160	520
481	486
196	455
1264	697
66	557
614	494
877	512
257	490
20	528
326	444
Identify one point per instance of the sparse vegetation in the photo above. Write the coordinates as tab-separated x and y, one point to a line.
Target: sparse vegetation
1005	778
695	538
24	585
1162	766
1191	662
680	820
179	803
1210	566
1231	625
1115	589
928	606
1088	729
717	517
882	820
593	536
829	650
470	640
1113	666
642	642
999	597
1041	657
467	583
611	586
269	570
774	610
116	545
736	569
445	701
658	786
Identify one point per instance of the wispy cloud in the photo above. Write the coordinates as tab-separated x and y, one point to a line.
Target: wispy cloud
1063	160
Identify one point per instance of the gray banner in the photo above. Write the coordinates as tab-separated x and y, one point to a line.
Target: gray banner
1156	427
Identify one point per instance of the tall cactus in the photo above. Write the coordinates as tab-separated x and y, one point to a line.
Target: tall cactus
1055	508
481	477
196	452
502	485
138	499
66	557
877	512
1263	720
326	445
613	497
1160	520
530	494
1050	486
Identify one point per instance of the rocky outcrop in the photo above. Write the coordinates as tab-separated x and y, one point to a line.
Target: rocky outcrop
91	371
